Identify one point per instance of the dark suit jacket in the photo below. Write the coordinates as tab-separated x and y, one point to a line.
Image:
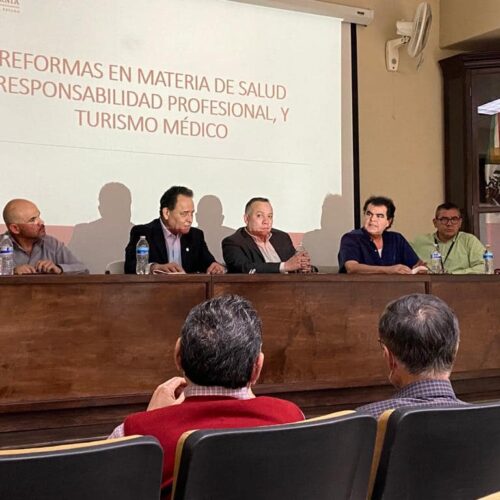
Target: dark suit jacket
194	251
242	255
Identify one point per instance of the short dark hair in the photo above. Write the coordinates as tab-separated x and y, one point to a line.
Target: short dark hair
381	201
251	201
422	332
220	342
169	198
447	205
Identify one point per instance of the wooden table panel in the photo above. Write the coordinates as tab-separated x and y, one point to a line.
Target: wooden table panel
476	302
79	353
320	329
96	337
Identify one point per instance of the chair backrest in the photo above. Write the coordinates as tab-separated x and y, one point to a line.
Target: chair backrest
115	267
125	469
431	452
493	496
323	458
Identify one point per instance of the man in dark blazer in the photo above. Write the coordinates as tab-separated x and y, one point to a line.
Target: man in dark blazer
258	248
174	246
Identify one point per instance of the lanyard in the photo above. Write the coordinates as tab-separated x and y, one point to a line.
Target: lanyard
449	251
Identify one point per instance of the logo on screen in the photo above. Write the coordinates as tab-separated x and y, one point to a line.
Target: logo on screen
12	6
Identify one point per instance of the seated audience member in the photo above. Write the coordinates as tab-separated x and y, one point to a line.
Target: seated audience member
174	246
419	337
258	248
219	353
461	253
373	249
34	251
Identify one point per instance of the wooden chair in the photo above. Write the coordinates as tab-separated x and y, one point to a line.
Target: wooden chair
126	469
437	452
324	458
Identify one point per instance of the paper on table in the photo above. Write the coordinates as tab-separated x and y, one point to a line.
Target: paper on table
160	271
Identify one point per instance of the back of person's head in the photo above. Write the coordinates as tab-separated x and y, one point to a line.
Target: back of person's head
7	213
447	205
220	342
422	332
169	198
381	201
251	201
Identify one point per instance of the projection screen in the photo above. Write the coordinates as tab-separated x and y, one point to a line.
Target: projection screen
105	105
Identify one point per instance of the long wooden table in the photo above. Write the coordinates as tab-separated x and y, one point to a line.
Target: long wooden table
80	353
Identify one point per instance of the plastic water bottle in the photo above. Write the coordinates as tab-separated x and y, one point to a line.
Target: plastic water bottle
7	256
489	268
436	264
142	256
300	248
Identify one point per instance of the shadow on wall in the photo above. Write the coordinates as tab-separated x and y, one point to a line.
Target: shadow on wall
209	216
323	244
104	240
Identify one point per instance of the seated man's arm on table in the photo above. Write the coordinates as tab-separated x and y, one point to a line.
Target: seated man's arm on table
168	267
59	259
351	257
353	267
207	262
409	256
475	252
238	259
293	260
66	261
25	269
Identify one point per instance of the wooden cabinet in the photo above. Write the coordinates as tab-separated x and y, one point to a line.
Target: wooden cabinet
471	84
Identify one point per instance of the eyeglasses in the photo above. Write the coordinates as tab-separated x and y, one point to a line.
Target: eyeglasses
449	220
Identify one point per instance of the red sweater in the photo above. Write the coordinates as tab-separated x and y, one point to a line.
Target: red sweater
207	412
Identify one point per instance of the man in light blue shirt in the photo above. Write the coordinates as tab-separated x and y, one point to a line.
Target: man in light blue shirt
34	251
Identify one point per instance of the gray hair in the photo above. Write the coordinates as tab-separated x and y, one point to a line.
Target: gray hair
220	342
422	332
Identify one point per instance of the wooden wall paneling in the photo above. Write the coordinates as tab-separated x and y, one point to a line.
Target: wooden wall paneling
320	332
80	353
70	343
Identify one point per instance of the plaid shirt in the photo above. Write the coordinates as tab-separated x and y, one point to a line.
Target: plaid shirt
422	393
193	390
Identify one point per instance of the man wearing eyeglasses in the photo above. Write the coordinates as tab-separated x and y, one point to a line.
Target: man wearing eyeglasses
419	337
34	251
461	253
374	250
